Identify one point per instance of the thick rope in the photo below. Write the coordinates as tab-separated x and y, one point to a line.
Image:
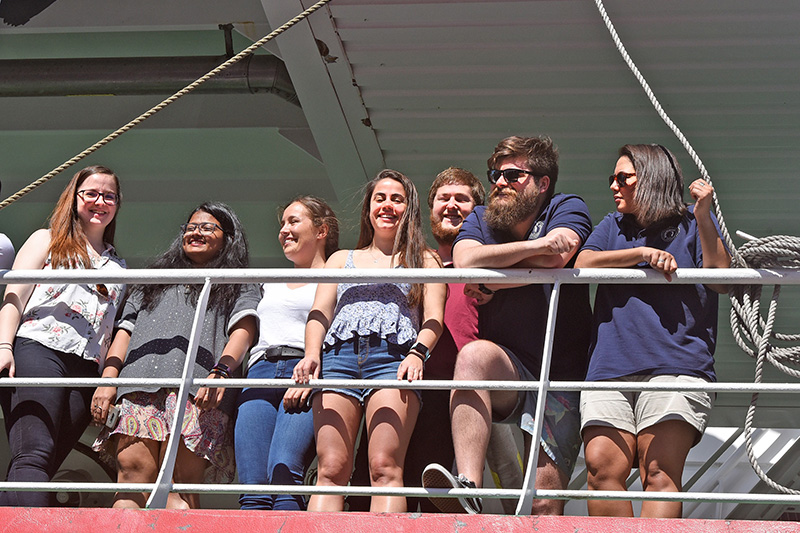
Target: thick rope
152	111
752	333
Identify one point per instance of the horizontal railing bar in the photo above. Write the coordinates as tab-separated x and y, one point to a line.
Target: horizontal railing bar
409	491
735	276
401	384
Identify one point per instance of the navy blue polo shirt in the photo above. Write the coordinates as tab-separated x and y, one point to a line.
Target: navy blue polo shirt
516	318
653	329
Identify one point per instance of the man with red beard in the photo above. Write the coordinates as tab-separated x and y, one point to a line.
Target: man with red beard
525	225
453	195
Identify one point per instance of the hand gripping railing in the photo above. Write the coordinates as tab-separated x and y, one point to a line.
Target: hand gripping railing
164	485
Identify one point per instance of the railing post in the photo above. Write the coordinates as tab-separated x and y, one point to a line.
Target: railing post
158	498
528	486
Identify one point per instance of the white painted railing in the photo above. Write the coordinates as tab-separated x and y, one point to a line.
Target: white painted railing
208	277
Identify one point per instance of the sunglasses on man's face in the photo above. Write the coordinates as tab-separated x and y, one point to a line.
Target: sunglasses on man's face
621	178
511	175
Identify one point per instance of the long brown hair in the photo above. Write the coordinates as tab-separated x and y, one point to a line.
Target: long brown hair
409	243
67	239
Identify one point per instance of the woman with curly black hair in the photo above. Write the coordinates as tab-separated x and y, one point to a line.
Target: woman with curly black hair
152	342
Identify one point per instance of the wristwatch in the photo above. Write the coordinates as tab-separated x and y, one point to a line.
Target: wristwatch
421	350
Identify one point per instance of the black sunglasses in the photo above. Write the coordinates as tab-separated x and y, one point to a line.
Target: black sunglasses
511	175
621	178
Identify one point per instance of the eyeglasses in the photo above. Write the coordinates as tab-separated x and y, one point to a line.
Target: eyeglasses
206	228
91	196
511	175
621	178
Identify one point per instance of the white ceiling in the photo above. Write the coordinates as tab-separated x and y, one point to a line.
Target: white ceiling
416	86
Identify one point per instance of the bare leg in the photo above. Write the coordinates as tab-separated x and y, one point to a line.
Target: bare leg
662	455
391	415
336	421
189	468
550	477
471	411
137	462
609	458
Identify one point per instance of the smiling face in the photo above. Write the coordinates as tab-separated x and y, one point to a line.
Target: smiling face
451	206
96	215
624	196
387	205
299	237
201	247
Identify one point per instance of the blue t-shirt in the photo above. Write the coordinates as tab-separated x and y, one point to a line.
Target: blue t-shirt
517	318
653	329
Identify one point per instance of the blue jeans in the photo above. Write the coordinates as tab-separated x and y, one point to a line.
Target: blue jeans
43	423
272	446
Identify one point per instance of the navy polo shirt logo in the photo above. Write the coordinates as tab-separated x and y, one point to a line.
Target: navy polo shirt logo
669	234
537	230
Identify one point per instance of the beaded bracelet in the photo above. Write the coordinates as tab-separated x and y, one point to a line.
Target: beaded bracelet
222	370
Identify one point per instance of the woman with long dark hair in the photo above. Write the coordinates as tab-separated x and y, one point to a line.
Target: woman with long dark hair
58	330
152	341
274	427
650	333
372	331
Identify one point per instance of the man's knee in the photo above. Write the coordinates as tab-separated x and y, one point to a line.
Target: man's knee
481	359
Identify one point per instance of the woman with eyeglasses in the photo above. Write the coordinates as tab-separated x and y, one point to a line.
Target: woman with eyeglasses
274	434
152	342
372	331
57	330
650	333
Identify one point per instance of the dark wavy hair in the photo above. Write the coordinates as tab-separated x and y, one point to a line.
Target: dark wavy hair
659	183
234	254
321	215
409	243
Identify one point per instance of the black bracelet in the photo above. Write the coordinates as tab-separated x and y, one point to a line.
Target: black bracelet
222	370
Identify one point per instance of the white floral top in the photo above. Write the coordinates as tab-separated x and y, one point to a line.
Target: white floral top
75	318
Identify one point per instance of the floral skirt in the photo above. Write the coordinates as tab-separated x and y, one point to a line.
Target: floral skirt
148	415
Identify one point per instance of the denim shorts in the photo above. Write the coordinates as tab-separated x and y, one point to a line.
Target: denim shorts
362	358
561	438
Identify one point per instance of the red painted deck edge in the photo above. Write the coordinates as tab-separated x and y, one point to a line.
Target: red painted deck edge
20	520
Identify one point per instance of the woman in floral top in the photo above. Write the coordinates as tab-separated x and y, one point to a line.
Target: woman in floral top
59	331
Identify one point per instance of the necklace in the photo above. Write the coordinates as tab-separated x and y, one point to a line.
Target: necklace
374	259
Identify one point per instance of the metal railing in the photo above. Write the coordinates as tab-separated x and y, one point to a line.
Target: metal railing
208	277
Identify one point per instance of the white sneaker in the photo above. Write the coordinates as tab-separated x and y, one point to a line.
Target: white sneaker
438	477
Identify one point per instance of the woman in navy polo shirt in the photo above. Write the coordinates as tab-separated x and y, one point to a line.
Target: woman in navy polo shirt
650	333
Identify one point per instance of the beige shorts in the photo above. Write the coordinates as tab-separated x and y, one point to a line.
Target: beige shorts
634	411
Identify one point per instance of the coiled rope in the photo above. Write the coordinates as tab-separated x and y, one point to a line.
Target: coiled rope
155	109
753	333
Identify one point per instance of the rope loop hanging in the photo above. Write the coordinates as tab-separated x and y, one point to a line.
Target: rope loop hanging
753	333
155	109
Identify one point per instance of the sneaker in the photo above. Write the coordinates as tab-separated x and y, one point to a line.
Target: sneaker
437	477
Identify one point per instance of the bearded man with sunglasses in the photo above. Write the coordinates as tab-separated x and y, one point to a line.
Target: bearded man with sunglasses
525	225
